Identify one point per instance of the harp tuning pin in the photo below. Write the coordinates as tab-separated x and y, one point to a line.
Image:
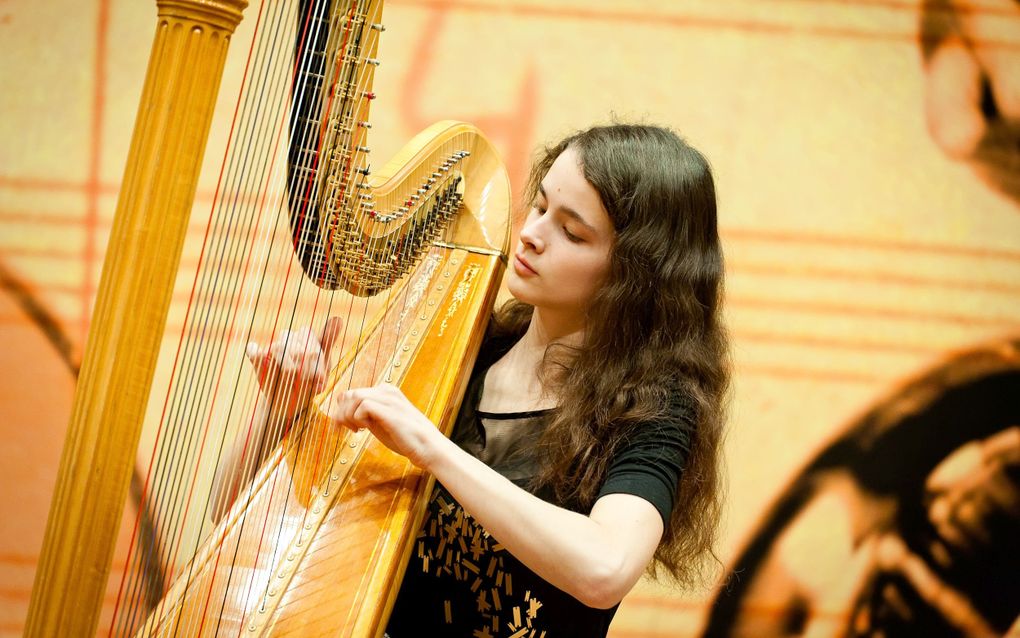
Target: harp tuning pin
362	149
372	61
369	95
379	27
364	124
364	170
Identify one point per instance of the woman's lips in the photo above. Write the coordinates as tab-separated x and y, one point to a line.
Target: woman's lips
522	267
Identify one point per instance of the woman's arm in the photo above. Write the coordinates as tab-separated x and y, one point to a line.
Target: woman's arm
245	455
596	558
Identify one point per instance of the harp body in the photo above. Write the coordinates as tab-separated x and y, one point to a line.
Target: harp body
317	543
343	509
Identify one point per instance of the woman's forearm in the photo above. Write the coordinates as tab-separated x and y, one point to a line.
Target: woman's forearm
245	455
572	551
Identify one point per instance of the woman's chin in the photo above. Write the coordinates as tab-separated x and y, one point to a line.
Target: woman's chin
519	289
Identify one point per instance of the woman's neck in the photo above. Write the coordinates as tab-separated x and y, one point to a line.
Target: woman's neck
543	331
514	383
547	328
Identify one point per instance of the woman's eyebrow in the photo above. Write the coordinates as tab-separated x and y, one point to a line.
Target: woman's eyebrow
569	212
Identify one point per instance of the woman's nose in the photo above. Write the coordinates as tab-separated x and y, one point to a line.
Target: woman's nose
531	233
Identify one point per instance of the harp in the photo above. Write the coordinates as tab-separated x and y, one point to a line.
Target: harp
316	541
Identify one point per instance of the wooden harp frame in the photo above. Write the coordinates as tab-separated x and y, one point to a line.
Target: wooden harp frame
134	295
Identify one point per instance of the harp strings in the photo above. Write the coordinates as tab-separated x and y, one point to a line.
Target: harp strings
316	447
159	467
272	524
247	290
279	319
197	381
180	395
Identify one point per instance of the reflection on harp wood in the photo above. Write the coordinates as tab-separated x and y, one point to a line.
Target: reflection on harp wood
316	543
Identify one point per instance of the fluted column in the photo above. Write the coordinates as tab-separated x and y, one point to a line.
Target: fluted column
133	299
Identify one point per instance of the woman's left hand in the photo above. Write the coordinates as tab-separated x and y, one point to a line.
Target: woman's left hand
389	415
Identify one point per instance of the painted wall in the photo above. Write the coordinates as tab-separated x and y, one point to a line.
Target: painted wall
868	170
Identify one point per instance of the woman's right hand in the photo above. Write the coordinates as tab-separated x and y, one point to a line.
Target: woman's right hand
293	368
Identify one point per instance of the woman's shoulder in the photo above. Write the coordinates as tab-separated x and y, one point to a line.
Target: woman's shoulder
673	425
680	403
677	403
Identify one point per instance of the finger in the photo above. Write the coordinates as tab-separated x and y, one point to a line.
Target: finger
308	381
366	408
335	409
953	99
270	366
265	365
294	344
329	409
277	351
303	356
341	406
334	325
364	414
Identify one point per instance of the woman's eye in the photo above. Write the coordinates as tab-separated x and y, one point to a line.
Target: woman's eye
571	236
538	209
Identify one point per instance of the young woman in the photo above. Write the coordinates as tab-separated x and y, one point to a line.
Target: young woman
586	450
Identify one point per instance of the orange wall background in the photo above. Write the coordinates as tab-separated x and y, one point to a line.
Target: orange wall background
860	253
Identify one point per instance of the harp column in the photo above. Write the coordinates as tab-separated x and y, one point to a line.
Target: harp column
156	196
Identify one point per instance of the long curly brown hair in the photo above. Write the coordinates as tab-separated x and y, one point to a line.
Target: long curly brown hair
653	332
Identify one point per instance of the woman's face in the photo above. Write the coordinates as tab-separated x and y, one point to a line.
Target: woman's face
562	257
